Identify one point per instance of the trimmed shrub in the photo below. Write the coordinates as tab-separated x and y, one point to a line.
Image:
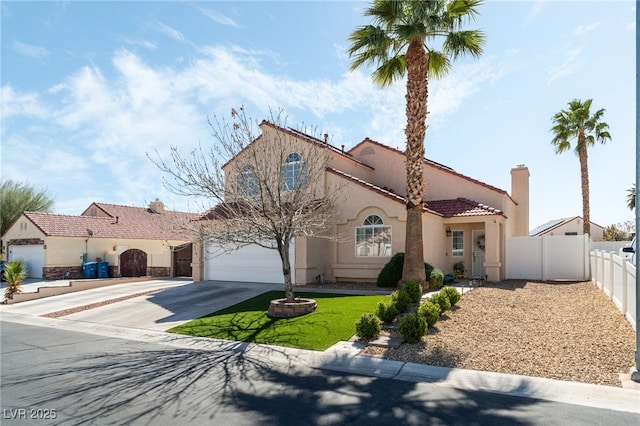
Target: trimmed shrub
391	273
368	326
386	311
429	311
452	294
412	328
401	300
441	300
436	279
428	269
414	290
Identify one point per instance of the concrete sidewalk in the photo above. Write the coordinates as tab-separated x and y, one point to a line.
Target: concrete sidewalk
144	318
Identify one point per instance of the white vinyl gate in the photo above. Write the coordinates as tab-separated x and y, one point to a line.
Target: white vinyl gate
550	257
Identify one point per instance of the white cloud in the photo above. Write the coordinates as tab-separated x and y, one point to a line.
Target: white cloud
569	66
142	43
585	29
29	50
169	32
26	104
534	12
218	17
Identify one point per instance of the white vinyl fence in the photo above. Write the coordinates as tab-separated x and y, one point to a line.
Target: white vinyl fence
550	257
616	277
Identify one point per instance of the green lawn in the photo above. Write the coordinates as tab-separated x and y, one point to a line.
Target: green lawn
332	321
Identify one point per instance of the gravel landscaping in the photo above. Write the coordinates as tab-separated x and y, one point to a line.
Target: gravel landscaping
565	331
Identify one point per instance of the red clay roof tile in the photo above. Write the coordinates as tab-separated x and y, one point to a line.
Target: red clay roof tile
131	223
462	207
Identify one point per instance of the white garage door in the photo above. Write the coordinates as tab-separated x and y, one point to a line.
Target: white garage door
250	263
33	257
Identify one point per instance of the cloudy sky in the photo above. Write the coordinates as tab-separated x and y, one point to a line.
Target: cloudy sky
89	88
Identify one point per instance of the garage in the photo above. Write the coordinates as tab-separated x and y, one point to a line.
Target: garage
33	257
250	263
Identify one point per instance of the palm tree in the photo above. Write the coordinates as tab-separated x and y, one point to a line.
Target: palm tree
397	44
14	272
631	197
578	123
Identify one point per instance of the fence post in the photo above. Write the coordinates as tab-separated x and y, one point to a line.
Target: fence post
624	288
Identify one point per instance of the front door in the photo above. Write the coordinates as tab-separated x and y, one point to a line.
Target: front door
133	263
478	246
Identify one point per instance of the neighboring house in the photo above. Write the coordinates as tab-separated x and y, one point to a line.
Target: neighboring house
134	241
463	220
567	226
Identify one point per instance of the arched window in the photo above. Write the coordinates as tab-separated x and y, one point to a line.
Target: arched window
246	181
294	172
373	238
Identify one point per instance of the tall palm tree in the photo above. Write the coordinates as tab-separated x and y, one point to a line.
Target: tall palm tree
631	197
577	123
400	42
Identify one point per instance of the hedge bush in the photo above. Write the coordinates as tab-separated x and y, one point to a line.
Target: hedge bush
452	294
412	328
368	326
391	273
429	311
386	311
414	290
441	300
436	280
401	300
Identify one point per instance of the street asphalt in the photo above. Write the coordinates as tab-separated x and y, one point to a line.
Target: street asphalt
162	304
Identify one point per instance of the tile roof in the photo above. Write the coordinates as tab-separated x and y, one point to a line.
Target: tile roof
122	222
308	138
436	165
462	207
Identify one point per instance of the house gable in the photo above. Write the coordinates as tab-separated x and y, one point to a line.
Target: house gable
441	181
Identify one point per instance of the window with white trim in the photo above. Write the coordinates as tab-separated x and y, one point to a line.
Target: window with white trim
246	181
373	238
457	249
293	172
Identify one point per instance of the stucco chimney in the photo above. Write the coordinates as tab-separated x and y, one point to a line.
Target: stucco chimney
520	194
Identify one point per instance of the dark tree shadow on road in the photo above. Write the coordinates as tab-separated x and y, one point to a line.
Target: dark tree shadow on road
180	386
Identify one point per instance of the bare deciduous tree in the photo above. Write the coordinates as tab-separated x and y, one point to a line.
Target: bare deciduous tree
266	190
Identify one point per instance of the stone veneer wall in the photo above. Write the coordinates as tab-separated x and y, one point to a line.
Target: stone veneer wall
158	271
57	272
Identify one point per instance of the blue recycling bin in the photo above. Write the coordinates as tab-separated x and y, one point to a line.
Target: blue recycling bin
103	270
89	269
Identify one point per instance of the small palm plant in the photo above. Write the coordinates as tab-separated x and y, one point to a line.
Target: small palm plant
15	272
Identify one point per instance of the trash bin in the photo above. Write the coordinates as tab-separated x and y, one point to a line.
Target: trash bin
89	270
103	270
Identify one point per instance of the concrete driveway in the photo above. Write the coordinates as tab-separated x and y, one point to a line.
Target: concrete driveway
172	302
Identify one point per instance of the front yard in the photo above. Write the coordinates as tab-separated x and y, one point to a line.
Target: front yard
333	321
565	331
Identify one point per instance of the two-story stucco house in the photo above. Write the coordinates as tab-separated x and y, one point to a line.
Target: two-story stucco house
463	220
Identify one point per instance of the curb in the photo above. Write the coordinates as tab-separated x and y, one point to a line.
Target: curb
343	357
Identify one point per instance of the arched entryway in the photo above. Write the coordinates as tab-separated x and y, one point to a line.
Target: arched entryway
133	263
